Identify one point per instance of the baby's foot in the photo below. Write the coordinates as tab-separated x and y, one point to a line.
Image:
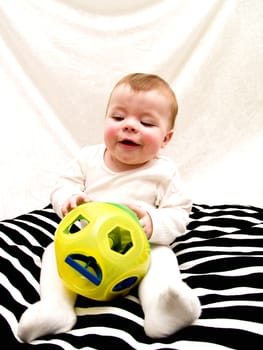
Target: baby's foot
41	319
173	309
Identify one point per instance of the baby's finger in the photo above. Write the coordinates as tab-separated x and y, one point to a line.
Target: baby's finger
65	208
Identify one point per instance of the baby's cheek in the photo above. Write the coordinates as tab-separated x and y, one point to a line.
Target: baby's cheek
109	133
152	142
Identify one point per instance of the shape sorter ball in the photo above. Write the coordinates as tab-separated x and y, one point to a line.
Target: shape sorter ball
101	250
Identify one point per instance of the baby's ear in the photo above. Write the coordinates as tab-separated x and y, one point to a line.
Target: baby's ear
167	137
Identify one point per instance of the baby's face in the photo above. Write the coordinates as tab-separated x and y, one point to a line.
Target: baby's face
136	127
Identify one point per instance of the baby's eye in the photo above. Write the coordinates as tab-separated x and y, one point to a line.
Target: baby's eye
117	117
147	124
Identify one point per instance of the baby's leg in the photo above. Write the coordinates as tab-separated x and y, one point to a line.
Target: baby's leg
54	313
168	303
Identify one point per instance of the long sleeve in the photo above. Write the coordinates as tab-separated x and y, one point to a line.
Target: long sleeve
171	216
72	182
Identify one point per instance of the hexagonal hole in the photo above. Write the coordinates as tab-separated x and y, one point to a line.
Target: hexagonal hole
120	240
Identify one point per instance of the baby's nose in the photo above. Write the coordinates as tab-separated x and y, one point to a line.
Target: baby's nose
130	125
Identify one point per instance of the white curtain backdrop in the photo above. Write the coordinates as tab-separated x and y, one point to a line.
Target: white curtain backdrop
59	60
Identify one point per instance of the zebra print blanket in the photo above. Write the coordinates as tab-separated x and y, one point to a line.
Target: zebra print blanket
221	257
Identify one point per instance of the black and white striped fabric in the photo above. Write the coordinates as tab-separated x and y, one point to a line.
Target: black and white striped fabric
221	257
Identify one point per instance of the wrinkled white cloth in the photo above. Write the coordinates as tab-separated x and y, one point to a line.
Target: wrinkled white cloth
60	59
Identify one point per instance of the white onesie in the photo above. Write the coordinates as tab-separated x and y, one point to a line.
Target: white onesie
155	186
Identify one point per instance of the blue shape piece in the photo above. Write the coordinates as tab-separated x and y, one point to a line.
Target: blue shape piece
127	283
83	270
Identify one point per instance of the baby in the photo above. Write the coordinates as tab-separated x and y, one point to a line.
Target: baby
126	169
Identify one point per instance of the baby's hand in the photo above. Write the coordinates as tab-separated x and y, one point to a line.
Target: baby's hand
144	219
73	202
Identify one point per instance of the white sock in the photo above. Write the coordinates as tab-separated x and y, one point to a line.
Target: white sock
55	312
42	318
169	304
171	310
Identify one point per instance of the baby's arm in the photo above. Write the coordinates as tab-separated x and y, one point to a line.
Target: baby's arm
171	216
69	190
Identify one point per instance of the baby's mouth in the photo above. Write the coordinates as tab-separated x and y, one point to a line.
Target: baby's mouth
127	142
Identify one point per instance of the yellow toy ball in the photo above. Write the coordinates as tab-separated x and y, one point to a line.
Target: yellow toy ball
101	250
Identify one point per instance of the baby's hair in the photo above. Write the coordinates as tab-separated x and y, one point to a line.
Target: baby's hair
145	82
